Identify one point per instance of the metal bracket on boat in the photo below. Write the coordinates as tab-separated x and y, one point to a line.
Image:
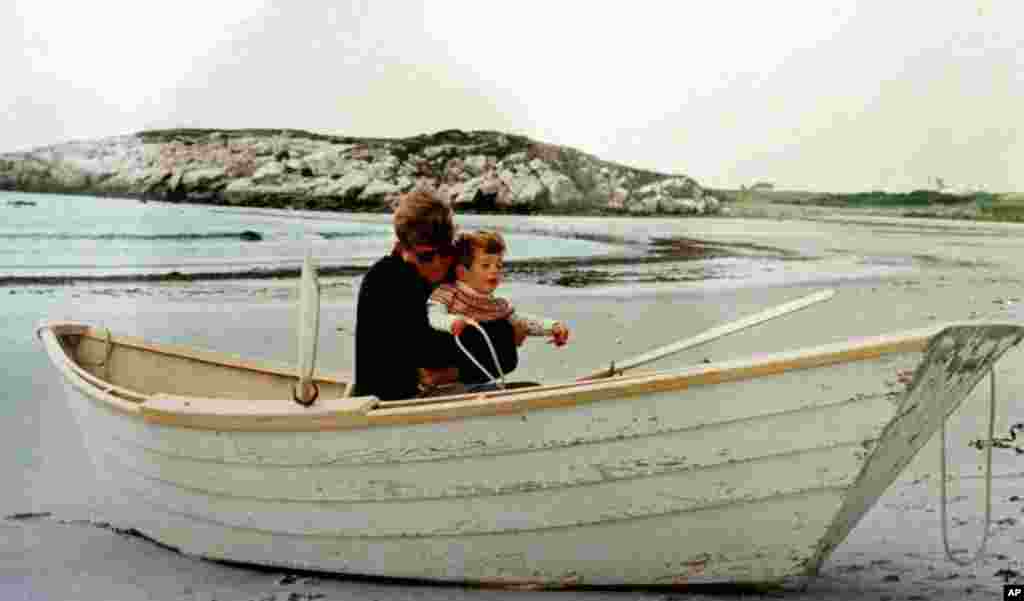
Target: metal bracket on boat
1002	443
298	399
108	349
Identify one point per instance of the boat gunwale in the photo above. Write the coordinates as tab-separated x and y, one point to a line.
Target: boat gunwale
357	412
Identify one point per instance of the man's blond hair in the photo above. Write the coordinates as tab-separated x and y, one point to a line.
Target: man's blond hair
423	218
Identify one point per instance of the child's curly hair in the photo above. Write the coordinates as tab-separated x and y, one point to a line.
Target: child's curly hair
468	243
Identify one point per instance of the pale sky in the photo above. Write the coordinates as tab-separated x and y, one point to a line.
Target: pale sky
818	95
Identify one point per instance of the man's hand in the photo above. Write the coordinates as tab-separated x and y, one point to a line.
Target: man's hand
438	376
458	326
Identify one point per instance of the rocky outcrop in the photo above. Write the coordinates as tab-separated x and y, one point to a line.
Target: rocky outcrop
477	171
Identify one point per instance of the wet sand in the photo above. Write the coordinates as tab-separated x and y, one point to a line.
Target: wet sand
890	275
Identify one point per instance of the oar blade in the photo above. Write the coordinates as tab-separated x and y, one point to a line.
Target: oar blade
308	328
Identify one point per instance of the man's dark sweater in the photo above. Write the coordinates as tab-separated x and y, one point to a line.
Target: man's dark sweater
393	336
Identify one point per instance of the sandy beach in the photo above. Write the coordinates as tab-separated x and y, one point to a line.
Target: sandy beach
890	274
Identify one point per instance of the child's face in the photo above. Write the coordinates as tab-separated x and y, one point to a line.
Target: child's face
485	274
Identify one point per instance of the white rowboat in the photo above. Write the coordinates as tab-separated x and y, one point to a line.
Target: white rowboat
744	471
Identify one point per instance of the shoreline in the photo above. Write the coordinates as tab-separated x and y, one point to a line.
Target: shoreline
660	251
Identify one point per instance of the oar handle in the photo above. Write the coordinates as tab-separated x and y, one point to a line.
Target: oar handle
709	335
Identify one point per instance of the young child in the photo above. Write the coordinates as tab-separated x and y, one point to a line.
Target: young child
479	261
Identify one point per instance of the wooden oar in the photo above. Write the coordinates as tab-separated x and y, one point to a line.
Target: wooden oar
709	335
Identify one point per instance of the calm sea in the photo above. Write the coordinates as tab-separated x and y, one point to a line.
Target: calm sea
56	235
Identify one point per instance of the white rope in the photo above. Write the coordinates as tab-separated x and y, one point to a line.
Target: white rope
497	364
988	480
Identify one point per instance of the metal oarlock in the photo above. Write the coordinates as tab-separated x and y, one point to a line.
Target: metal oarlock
108	350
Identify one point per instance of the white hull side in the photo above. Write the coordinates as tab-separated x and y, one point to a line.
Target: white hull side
678	485
765	541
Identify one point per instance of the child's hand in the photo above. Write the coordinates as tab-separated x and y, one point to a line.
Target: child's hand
559	335
458	326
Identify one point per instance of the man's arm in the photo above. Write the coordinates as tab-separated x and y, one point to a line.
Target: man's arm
382	369
439	317
437	369
428	345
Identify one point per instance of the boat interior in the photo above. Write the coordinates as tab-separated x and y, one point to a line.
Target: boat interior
134	369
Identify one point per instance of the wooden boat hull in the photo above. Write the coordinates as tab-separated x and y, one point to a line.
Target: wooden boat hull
748	471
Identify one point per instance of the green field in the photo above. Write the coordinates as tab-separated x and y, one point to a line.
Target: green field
987	206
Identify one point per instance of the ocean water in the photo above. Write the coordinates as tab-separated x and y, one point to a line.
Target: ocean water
58	235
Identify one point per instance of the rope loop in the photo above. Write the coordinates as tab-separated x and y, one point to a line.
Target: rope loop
500	381
988	481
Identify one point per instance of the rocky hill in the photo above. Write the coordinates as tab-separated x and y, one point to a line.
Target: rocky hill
478	171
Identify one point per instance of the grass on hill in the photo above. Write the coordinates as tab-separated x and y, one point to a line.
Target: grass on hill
917	198
986	206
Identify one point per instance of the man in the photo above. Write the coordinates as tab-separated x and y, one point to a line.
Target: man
397	352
